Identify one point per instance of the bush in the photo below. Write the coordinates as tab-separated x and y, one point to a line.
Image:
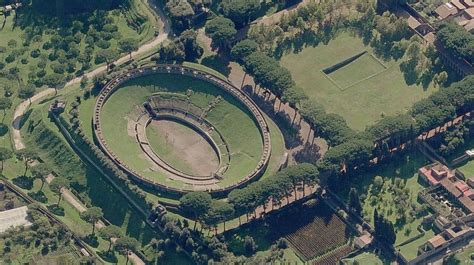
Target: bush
10	58
47	45
250	245
103	44
24	60
35	53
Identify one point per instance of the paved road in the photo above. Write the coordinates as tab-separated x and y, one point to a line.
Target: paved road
164	31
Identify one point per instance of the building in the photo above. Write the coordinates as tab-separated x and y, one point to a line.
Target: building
445	11
434	173
363	241
459	191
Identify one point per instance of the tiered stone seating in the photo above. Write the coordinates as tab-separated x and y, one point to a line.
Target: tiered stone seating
112	85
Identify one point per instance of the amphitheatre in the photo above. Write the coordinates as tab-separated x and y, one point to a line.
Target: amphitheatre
184	130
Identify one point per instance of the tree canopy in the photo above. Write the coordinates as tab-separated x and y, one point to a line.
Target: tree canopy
221	30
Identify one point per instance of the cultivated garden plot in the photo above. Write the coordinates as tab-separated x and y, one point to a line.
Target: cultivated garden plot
362	91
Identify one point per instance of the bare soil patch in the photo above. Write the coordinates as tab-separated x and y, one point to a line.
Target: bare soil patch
182	147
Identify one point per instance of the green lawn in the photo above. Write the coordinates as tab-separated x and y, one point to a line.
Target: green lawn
465	255
366	258
362	104
467	169
229	117
410	251
356	71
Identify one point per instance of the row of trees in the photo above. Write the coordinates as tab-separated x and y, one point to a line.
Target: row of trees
179	236
63	7
429	113
202	208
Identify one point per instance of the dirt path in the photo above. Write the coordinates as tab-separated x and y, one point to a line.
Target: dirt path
306	135
164	30
18	115
188	150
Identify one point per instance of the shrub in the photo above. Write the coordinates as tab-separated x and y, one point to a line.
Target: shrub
103	44
10	58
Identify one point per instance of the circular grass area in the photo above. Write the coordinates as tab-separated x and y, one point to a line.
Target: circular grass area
229	116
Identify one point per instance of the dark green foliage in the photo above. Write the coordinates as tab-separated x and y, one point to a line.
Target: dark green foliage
125	245
180	12
221	30
5	154
268	73
197	204
92	215
384	230
26	92
458	41
183	48
354	201
244	48
241	12
63	7
109	232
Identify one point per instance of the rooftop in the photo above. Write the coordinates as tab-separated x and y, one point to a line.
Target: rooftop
13	217
436	241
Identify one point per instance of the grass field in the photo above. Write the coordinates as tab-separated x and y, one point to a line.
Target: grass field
356	71
229	117
365	258
364	103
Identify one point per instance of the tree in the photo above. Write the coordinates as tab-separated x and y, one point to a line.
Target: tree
56	186
5	104
180	12
249	245
191	47
27	156
244	48
109	232
26	92
219	212
40	171
354	201
240	11
125	245
92	215
107	56
221	30
128	46
5	154
384	230
197	204
54	81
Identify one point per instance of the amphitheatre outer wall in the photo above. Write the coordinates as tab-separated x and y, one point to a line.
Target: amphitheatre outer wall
115	83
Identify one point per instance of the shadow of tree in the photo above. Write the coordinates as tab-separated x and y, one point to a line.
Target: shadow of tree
218	63
108	256
23	182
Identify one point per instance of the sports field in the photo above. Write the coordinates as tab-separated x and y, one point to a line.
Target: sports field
229	117
365	100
